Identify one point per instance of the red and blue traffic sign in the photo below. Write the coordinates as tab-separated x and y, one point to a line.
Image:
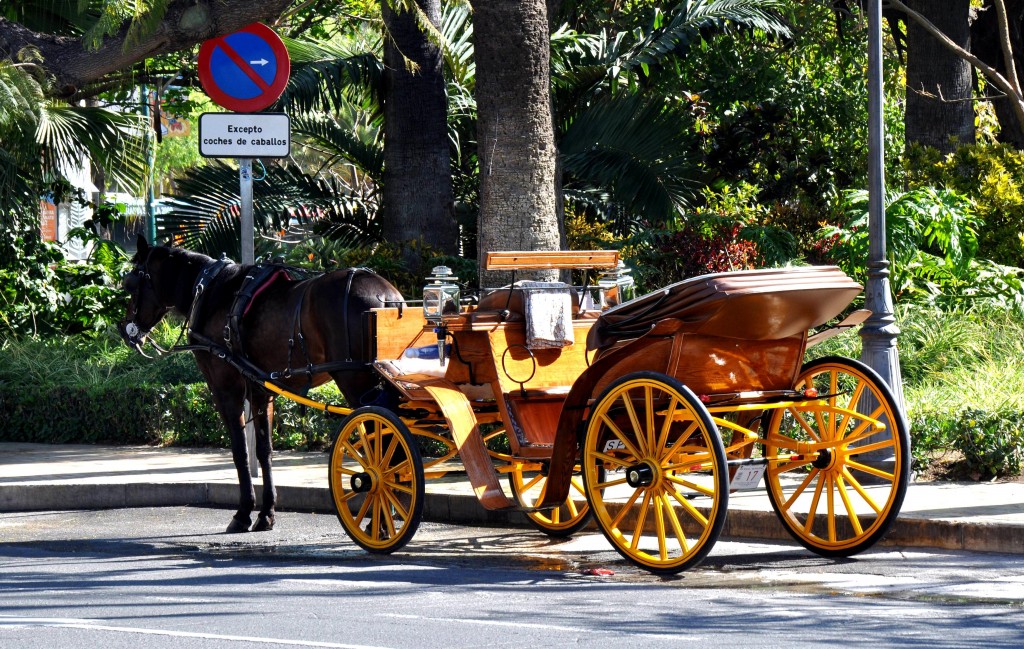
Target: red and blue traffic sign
245	71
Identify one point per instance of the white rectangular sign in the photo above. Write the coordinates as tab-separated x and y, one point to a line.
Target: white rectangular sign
244	135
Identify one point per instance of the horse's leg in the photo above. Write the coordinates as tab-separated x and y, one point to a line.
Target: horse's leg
263	418
228	401
240	455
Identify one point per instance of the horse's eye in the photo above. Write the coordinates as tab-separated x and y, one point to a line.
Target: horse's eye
130	281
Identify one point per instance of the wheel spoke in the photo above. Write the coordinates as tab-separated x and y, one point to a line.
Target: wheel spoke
604	457
809	524
830	499
625	508
799	490
570	504
641	518
693	486
877	446
851	513
860	490
532	483
677	528
648	430
659	525
619	434
666	425
386	460
852	406
689	508
611	483
403	513
785	466
577	484
635	422
799	418
354	453
878	473
362	510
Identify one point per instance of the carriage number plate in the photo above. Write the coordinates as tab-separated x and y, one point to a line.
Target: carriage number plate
748	476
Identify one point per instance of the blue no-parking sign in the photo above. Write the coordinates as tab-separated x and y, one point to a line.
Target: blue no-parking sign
245	71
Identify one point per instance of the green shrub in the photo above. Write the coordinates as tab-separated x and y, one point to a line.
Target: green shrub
992	442
991	176
98	391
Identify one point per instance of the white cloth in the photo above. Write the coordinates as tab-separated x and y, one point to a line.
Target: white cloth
548	314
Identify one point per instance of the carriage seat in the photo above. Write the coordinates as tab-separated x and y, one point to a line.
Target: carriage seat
408	373
546	308
769	304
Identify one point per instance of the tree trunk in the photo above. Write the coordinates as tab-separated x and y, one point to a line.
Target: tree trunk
515	134
417	201
939	111
985	45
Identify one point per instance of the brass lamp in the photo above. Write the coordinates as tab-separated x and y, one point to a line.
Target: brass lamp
616	286
440	301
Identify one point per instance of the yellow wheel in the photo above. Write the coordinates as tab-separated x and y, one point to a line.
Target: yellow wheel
663	497
376	480
837	482
529	481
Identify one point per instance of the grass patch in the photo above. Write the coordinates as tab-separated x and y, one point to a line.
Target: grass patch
963	386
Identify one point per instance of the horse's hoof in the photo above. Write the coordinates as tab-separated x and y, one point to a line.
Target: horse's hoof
264	523
237	525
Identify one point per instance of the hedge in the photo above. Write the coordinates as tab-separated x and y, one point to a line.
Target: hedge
180	415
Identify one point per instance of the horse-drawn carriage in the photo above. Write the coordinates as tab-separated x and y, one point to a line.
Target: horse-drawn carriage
642	414
639	414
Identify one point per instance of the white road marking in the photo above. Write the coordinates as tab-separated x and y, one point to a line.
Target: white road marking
546	627
93	625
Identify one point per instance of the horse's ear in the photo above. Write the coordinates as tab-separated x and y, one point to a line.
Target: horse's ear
142	245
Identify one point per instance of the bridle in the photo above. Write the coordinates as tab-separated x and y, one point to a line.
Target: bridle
133	283
138	279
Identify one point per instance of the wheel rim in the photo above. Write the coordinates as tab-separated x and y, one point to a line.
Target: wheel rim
663	498
529	483
376	481
843	498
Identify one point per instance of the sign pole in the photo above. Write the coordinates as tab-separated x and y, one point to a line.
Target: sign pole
245	184
248	257
245	71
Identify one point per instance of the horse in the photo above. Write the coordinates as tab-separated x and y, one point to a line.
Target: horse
314	323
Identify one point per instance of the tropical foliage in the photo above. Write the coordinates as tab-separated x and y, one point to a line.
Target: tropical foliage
696	136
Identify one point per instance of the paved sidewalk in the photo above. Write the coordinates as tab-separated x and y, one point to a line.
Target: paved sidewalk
985	517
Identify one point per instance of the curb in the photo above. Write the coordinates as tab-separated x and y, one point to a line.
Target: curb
907	531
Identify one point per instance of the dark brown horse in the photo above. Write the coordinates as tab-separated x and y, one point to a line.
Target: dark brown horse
305	332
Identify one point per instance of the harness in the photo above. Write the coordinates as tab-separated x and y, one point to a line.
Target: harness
231	349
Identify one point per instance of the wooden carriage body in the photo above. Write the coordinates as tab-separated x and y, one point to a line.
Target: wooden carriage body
732	333
671	392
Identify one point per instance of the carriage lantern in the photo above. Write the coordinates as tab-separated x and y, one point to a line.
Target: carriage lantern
440	295
616	286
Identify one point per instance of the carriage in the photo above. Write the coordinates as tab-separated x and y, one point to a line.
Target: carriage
641	414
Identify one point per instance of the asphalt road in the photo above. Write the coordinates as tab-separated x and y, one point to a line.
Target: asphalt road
168	578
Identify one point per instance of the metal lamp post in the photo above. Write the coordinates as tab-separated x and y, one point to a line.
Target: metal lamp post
878	335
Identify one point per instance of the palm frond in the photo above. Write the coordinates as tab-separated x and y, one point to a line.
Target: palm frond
205	211
325	76
112	139
673	32
635	149
457	31
343	137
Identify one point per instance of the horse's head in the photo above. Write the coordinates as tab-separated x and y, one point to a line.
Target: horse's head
147	304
